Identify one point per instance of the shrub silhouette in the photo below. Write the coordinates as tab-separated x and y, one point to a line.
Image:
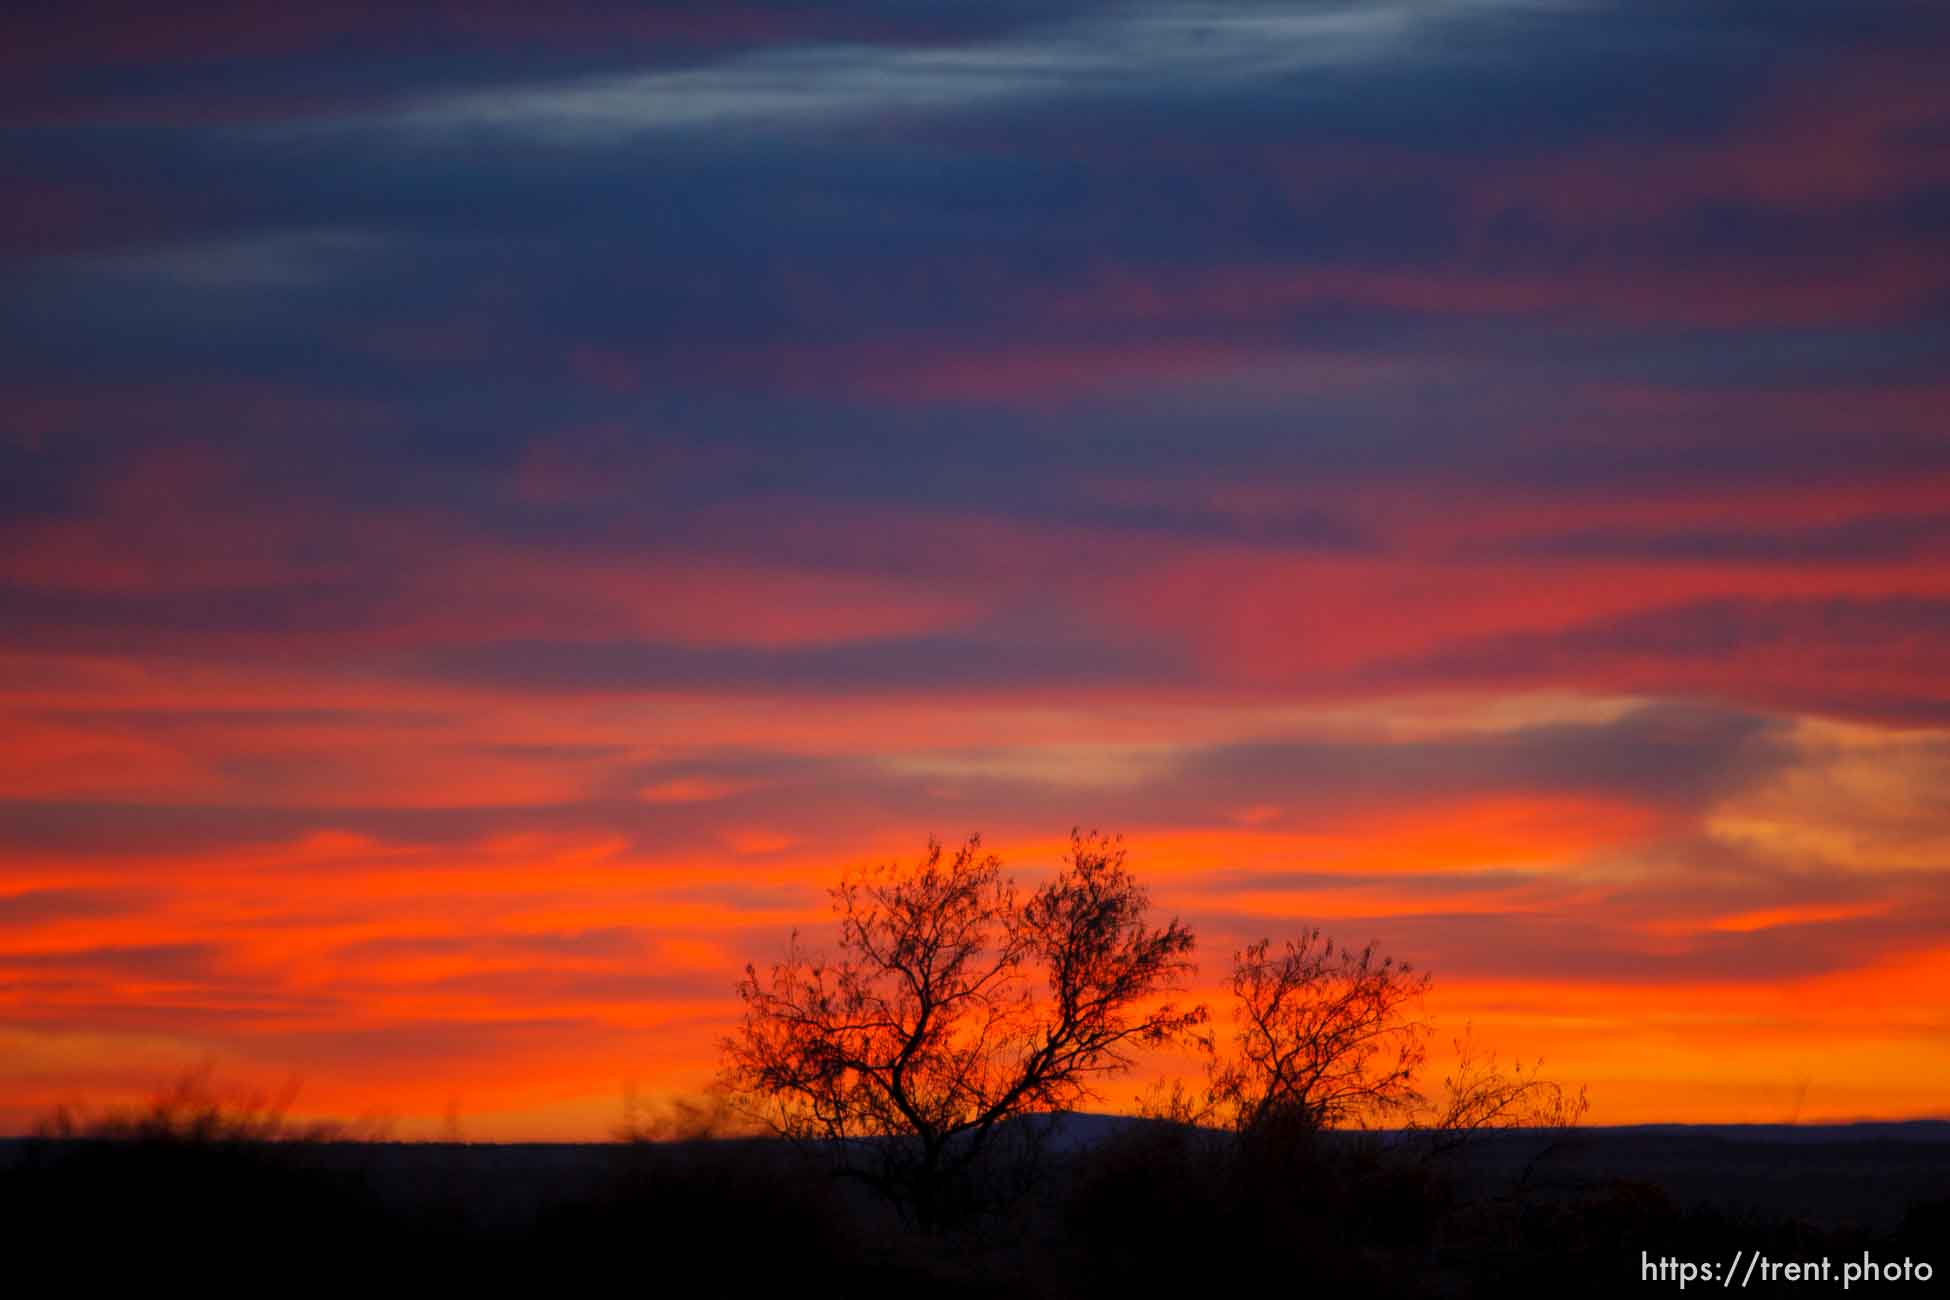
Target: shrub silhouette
234	1185
191	1113
1479	1095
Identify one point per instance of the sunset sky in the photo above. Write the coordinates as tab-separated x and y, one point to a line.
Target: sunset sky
500	503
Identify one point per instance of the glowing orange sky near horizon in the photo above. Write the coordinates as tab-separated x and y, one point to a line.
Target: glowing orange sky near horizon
527	976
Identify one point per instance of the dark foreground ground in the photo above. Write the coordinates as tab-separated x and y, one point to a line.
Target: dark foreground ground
1114	1209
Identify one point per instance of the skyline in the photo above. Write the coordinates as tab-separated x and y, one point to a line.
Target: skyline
500	510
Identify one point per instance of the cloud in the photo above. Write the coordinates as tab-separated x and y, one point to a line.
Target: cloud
1794	651
1681	756
879	664
1885	537
283	260
1163	47
36	907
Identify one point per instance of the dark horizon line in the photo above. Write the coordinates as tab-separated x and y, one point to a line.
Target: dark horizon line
1927	1128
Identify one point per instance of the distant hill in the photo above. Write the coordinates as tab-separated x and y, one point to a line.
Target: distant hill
1825	1174
1074	1129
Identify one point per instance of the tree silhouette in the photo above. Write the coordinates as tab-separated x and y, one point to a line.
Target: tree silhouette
957	1004
1324	1037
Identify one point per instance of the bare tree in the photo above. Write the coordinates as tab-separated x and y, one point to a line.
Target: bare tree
1325	1036
957	1004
